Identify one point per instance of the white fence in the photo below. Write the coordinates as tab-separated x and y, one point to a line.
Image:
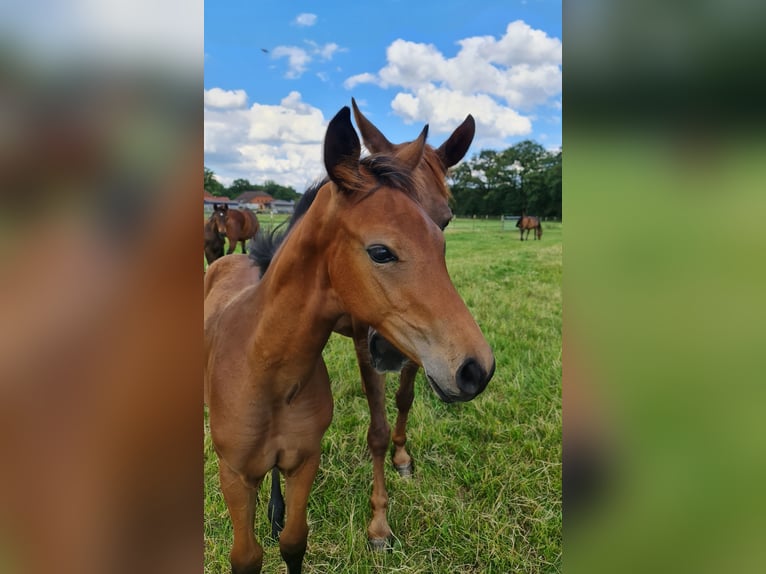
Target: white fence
508	222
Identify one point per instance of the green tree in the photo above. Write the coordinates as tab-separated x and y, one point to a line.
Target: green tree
523	177
524	160
239	186
552	185
280	191
212	185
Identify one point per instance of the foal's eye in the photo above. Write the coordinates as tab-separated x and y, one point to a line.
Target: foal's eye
381	254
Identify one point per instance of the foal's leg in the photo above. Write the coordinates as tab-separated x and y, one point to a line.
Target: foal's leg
232	246
404	397
246	554
378	439
292	542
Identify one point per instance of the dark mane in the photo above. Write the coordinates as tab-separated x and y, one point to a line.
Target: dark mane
387	171
266	242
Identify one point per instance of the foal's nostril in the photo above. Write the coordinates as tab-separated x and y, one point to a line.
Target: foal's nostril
471	377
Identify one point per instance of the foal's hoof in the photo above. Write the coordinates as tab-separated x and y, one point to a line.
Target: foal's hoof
379	544
405	470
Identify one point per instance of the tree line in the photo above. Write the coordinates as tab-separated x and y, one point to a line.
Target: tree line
239	186
524	177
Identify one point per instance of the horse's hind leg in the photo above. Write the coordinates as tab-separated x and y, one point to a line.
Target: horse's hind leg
246	554
404	397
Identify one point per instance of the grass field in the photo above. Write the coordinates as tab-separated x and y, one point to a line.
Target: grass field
486	493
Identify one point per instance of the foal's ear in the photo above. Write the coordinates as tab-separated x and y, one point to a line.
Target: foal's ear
341	150
411	153
375	141
453	150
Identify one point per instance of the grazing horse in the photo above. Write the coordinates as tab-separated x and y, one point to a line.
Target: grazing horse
434	196
239	225
527	222
214	240
364	248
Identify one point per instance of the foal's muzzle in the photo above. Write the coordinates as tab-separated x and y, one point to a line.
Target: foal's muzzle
471	379
385	357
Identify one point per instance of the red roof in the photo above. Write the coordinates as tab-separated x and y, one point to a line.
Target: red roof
259	197
217	199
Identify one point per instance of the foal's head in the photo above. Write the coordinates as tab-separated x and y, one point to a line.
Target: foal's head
386	263
220	210
431	191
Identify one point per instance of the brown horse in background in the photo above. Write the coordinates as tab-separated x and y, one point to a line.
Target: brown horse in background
434	196
527	223
365	248
215	240
238	225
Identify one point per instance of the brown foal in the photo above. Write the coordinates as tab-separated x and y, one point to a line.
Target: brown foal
433	195
238	225
364	248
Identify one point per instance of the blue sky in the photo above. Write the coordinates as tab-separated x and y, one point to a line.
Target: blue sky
277	71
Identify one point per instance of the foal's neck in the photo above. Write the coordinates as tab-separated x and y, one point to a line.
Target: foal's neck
298	307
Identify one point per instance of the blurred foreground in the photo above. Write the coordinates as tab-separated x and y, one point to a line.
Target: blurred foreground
100	370
664	282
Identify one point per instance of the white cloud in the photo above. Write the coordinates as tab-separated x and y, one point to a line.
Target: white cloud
365	78
305	19
281	142
495	79
297	59
218	98
326	52
444	109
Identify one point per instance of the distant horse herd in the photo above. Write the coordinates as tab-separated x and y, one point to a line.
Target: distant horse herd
236	225
335	267
241	225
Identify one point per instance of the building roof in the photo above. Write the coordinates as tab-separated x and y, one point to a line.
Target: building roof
252	196
208	198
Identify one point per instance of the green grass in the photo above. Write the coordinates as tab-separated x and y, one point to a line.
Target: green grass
486	494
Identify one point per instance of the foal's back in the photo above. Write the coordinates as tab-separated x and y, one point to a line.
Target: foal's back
224	280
